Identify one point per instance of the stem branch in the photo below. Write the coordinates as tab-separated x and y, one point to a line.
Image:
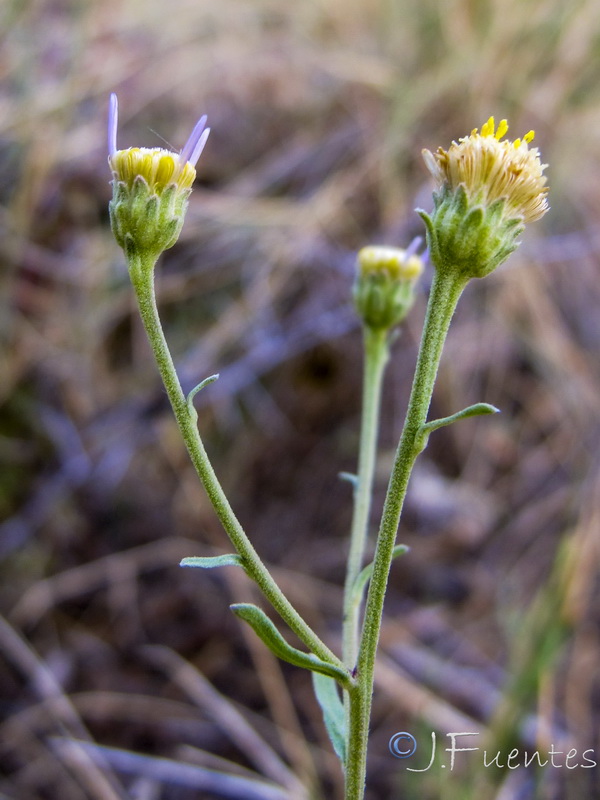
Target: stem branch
142	276
445	293
375	360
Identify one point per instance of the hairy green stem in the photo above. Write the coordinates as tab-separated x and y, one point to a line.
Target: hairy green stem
142	277
375	359
445	293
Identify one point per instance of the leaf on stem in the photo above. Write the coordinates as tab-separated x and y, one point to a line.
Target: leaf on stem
349	477
266	630
334	717
365	575
477	410
194	392
209	562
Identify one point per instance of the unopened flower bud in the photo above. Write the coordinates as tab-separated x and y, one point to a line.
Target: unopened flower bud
151	187
487	191
384	286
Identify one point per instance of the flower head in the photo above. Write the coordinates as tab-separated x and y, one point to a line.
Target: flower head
487	190
159	167
150	189
491	170
385	281
397	263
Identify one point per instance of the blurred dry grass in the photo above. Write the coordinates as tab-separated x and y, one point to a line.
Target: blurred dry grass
319	111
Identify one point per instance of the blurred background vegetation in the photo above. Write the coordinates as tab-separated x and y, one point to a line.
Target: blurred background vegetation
319	110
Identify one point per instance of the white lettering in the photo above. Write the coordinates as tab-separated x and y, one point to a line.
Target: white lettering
535	754
495	759
592	763
571	754
512	755
552	752
410	769
454	749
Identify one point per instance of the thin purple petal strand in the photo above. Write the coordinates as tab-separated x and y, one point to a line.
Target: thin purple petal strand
191	146
412	248
193	159
113	118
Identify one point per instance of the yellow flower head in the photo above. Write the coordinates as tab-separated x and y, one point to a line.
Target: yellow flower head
385	283
400	264
487	191
491	170
159	168
151	187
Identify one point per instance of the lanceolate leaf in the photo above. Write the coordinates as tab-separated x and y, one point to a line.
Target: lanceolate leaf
476	410
334	717
349	477
266	630
209	562
195	390
365	575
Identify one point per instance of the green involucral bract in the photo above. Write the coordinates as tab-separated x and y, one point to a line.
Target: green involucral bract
466	236
383	290
143	222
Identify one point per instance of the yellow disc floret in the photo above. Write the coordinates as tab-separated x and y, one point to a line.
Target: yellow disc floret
490	170
385	281
151	187
400	264
159	168
488	189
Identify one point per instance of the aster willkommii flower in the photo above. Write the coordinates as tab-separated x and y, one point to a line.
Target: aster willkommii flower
151	187
385	281
487	190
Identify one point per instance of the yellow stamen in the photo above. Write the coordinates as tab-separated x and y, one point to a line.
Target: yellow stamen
381	258
491	170
159	168
487	129
502	129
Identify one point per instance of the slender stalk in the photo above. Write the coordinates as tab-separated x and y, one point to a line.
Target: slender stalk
445	292
375	359
142	277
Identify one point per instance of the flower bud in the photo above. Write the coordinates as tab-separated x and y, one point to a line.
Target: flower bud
151	187
487	191
384	286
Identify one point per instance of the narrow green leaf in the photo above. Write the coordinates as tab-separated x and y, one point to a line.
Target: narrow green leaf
349	477
266	630
334	716
365	575
477	410
209	562
195	390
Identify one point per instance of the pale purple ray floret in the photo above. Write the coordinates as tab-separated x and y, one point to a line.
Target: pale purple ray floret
191	150
195	144
413	247
113	118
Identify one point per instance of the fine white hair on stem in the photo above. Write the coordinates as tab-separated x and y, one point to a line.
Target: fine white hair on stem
195	144
113	118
